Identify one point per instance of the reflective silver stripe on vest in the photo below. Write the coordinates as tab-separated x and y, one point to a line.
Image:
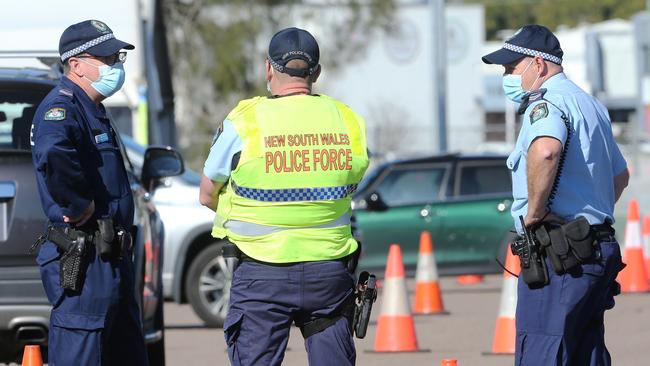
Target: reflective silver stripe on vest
295	194
252	229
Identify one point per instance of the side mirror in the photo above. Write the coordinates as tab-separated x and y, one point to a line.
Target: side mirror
374	202
160	162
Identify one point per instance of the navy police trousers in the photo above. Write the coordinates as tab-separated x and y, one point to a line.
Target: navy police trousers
99	326
266	299
562	323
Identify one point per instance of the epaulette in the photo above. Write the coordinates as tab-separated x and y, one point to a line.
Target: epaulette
531	98
66	92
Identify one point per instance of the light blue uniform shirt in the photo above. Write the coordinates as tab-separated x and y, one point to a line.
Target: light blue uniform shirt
593	159
225	145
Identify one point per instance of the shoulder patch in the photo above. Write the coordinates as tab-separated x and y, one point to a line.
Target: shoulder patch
538	112
55	114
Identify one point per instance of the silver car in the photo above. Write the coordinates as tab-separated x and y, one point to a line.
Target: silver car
194	270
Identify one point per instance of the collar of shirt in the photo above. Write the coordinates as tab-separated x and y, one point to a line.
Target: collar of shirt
96	109
554	81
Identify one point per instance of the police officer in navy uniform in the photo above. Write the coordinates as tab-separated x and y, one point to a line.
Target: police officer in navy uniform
567	133
82	179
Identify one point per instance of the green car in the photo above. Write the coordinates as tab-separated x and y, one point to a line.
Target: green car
462	200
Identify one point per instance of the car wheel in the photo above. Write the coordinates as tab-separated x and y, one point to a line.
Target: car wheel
207	284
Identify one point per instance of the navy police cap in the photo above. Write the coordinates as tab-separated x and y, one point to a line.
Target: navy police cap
90	36
291	44
531	40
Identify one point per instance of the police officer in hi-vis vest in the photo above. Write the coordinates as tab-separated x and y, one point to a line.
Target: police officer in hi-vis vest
567	174
280	175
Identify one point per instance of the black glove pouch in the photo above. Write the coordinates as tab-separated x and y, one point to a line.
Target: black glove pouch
567	245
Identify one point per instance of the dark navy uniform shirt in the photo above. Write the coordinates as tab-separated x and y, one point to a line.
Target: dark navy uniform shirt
77	158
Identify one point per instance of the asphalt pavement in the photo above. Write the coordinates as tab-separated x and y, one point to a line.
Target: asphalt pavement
465	334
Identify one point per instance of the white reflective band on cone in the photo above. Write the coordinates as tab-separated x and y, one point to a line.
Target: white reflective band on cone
633	234
426	270
508	306
395	297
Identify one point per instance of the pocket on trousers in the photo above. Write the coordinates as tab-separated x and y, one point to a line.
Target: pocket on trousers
48	262
231	329
538	349
77	321
580	281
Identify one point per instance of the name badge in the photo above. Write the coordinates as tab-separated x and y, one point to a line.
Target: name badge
101	138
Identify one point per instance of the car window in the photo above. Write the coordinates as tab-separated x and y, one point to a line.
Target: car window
410	185
136	152
476	178
17	109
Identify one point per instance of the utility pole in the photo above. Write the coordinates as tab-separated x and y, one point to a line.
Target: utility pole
439	73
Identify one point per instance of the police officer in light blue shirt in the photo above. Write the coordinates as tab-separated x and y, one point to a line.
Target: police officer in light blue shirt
565	166
224	154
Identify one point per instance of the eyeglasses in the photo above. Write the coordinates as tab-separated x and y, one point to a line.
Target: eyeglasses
108	60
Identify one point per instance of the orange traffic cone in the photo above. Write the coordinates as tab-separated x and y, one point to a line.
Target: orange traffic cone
633	277
449	362
646	244
505	332
469	279
395	327
32	356
428	299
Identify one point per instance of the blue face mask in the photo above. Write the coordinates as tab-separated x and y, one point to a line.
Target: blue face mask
512	86
111	78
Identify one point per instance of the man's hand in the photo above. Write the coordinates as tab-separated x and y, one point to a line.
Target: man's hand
530	221
81	219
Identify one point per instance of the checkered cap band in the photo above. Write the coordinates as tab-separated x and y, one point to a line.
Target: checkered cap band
533	53
295	194
87	45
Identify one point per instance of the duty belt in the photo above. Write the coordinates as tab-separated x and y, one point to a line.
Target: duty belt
65	238
603	232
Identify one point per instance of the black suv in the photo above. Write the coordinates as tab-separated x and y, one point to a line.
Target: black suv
24	309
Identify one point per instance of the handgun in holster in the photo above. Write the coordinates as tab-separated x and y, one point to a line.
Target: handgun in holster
365	296
73	262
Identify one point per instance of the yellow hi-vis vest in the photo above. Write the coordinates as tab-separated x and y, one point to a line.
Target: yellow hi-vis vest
288	199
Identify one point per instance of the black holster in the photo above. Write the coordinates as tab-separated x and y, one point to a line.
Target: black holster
111	241
73	262
568	245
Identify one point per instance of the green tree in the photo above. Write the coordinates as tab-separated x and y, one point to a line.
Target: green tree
218	49
513	14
